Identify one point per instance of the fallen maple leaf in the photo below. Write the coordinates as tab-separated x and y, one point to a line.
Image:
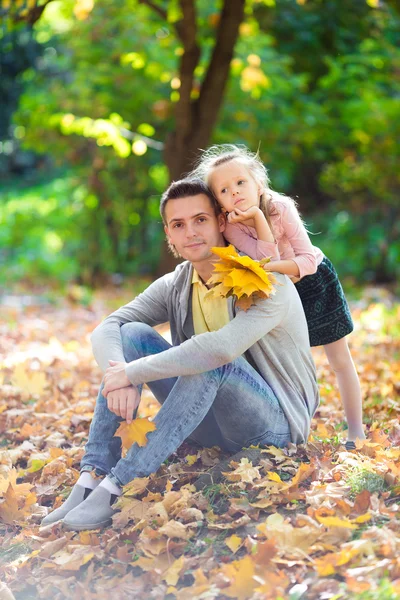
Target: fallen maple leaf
31	382
135	432
14	508
175	529
136	486
130	509
234	542
244	472
241	574
173	573
292	541
335	522
11	478
191	459
201	588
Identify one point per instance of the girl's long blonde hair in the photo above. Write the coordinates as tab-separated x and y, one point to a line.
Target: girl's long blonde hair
219	154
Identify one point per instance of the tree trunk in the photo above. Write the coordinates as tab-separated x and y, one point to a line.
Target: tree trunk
195	120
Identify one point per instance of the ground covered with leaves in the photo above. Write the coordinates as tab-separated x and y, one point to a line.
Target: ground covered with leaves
312	521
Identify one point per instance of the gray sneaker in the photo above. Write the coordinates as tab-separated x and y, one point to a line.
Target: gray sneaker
94	513
78	495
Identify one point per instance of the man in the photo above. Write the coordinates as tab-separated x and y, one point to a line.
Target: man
231	378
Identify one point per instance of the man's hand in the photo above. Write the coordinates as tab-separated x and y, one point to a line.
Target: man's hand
115	377
123	402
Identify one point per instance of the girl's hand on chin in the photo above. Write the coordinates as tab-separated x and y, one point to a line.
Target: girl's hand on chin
238	216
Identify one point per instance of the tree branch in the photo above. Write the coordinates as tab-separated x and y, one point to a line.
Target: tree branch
160	11
31	16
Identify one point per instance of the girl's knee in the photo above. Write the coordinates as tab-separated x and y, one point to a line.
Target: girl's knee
339	356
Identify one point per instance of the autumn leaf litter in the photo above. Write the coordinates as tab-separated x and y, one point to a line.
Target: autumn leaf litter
312	519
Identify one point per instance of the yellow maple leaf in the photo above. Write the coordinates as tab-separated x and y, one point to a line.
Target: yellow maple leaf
335	522
31	382
274	477
234	542
173	573
240	276
135	432
191	459
11	478
241	574
363	518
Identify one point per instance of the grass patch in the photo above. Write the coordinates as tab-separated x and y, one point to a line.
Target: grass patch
384	591
360	479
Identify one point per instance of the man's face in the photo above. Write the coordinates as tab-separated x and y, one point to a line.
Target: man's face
193	228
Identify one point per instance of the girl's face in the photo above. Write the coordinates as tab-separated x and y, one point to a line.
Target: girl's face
234	186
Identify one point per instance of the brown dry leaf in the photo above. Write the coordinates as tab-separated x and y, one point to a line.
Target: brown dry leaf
265	552
292	541
44	445
274	584
14	507
232	525
160	563
175	529
136	486
200	587
135	432
74	560
329	563
50	548
244	472
131	509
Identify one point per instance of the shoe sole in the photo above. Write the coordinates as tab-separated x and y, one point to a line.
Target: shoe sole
349	445
87	527
51	522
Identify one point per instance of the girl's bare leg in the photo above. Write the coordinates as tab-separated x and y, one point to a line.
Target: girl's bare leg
340	360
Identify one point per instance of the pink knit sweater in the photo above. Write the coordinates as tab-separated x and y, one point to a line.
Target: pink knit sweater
291	239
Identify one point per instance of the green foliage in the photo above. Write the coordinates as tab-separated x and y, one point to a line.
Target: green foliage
34	226
313	85
364	246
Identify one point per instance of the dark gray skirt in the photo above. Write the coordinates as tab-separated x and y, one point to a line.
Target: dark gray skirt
327	312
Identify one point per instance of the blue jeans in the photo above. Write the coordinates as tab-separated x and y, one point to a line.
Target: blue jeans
231	407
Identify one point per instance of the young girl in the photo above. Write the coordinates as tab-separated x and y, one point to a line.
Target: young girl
260	223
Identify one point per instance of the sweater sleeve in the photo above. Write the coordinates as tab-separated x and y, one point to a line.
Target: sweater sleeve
149	307
305	256
256	249
211	350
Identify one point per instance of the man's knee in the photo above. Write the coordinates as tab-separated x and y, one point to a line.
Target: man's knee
134	332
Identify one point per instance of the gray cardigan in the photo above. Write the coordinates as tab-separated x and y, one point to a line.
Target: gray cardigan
272	335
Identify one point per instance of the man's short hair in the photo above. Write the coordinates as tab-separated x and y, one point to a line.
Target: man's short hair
186	188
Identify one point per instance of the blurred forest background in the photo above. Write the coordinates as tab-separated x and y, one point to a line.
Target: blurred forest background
104	102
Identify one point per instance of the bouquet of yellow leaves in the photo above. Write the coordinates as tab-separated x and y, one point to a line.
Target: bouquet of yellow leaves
240	276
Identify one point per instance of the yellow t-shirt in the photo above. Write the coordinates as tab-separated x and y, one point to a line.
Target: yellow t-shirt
209	314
